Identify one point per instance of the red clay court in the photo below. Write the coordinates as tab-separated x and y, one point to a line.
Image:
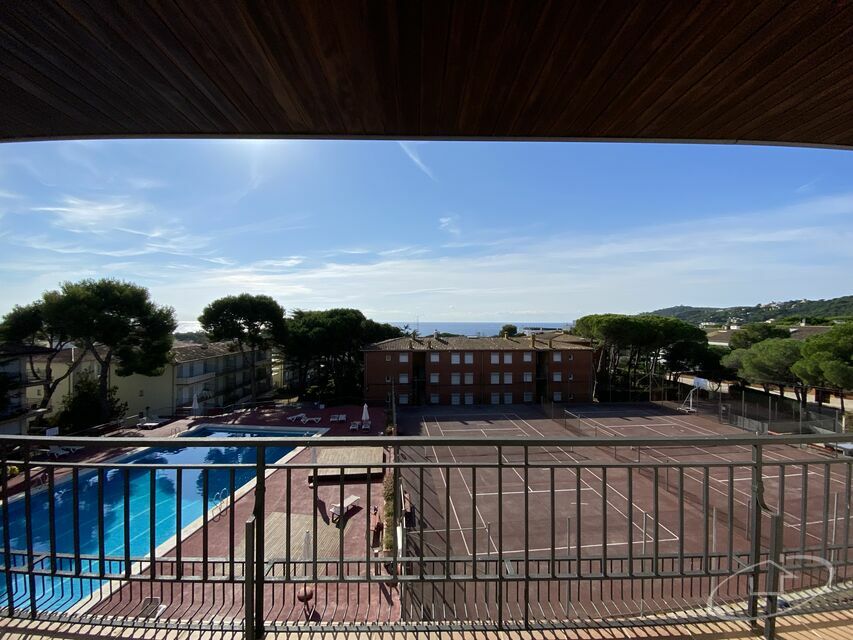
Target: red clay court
601	509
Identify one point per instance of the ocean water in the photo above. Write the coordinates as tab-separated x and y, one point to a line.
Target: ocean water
475	328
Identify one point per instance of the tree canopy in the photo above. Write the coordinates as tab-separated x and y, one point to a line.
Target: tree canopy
254	322
117	320
509	330
752	334
827	359
324	348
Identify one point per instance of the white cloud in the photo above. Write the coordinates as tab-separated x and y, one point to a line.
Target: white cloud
410	150
96	216
450	224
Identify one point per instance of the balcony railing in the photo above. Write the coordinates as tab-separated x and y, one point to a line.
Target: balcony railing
484	533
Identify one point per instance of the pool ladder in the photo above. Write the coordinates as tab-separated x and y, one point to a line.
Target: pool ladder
218	506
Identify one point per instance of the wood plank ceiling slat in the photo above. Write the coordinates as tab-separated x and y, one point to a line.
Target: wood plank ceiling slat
762	71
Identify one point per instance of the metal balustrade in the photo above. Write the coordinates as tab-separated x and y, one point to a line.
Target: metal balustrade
485	533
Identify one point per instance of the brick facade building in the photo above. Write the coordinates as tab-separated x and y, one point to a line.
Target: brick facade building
457	370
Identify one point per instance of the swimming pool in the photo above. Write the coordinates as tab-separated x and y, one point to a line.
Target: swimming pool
61	593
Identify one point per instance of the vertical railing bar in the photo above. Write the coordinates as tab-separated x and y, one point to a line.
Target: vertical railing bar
101	542
680	520
757	502
75	518
205	490
554	525
51	516
731	507
526	538
260	532
473	523
630	514
578	521
706	472
341	524
152	523
28	514
179	490
446	523
499	569
288	551
804	499
772	586
126	530
604	521
656	507
826	490
368	533
847	483
421	520
7	537
249	582
231	528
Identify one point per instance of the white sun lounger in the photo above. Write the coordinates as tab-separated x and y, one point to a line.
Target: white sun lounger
353	426
298	416
337	513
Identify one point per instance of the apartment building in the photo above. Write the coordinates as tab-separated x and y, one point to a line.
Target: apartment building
553	366
15	383
216	374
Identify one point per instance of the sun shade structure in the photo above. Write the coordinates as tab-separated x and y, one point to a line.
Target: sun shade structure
772	72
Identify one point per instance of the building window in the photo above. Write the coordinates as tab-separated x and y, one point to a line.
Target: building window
570	356
507	378
454	398
469	398
496	358
496	377
507	398
528	356
433	378
558	376
404	357
141	393
404	398
496	398
571	377
507	358
433	357
469	378
528	376
387	358
433	398
558	396
455	378
388	379
528	396
404	378
388	397
558	357
469	358
454	358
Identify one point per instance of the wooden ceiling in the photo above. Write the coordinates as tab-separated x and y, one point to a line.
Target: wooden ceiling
722	70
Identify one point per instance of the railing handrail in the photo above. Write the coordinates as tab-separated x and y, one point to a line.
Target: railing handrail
421	441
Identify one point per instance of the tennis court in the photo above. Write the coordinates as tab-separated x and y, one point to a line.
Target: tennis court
612	504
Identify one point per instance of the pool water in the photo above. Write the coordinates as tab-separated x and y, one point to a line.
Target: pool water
61	593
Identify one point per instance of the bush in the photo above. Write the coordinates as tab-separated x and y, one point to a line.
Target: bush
389	526
12	471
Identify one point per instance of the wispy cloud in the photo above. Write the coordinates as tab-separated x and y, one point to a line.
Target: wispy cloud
409	148
88	215
808	187
450	224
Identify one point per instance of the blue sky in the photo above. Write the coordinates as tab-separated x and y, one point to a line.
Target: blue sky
441	230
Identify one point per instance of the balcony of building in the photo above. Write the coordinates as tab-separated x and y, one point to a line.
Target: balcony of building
482	523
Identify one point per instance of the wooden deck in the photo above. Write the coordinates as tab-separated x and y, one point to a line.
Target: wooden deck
365	457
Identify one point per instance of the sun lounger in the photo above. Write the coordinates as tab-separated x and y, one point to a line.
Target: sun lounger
337	513
314	420
298	416
353	426
365	426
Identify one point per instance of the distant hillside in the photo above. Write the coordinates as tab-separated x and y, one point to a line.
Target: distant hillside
834	307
